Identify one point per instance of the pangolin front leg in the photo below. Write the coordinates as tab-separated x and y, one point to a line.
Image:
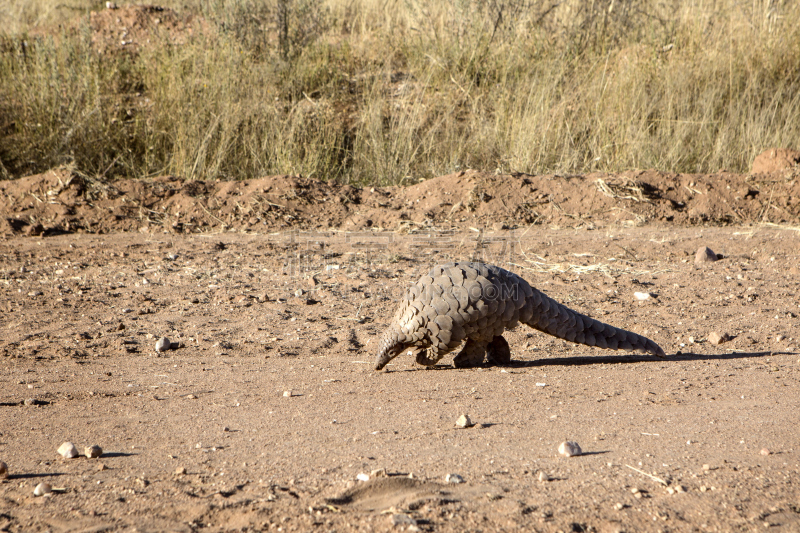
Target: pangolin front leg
477	303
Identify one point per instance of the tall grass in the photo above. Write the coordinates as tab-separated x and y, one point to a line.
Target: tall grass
377	92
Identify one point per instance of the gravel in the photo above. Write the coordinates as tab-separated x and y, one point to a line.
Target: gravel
42	489
93	452
569	449
464	421
163	344
68	450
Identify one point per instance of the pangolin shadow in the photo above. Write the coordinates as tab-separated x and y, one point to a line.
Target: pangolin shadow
628	359
602	360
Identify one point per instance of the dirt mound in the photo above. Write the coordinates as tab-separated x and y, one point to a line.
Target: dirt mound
777	160
129	28
59	201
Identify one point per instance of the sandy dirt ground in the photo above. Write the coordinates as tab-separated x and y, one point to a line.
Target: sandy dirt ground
254	316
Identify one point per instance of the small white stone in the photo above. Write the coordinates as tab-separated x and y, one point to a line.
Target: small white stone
3	470
68	450
453	478
288	394
716	338
641	296
163	344
403	520
569	449
543	477
380	472
93	452
362	477
765	451
42	489
464	421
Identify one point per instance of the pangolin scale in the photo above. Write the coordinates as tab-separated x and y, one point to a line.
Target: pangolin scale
477	302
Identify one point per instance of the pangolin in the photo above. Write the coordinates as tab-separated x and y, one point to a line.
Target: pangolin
477	302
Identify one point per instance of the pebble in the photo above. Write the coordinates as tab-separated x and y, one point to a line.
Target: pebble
68	450
380	472
30	401
3	470
163	344
102	466
543	477
464	421
680	488
641	296
765	451
362	477
619	507
181	470
569	449
288	394
42	489
670	490
93	452
405	521
705	255
716	338
453	478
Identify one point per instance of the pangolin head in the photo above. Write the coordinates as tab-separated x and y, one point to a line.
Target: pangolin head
393	343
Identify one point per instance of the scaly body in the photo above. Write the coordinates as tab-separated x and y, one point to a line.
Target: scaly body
477	303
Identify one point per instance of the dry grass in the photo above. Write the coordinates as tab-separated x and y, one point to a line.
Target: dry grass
393	92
